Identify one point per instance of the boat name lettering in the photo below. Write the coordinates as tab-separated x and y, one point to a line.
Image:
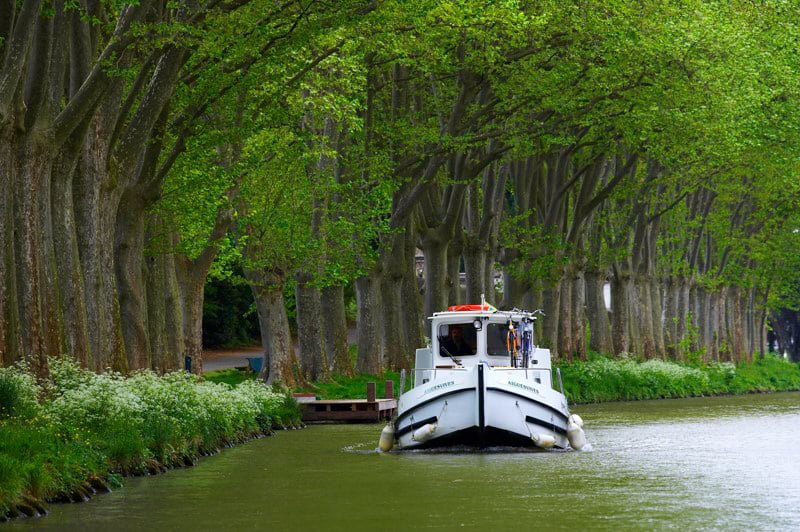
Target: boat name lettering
438	387
524	387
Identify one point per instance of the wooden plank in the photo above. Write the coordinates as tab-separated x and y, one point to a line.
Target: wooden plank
370	392
342	411
390	389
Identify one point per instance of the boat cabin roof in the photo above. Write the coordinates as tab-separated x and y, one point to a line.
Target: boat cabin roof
466	335
466	312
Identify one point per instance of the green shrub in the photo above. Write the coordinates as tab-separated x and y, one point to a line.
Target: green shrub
18	393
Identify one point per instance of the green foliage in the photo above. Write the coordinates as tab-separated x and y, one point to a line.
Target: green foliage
93	425
229	314
18	393
603	379
690	346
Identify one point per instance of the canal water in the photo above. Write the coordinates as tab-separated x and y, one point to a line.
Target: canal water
706	463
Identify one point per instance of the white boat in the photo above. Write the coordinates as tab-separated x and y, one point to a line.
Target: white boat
483	382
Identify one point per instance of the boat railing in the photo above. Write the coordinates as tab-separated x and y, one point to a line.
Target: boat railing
433	371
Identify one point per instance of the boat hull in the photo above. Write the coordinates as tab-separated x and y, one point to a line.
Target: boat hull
482	407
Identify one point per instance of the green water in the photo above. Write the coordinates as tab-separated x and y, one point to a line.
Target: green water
709	463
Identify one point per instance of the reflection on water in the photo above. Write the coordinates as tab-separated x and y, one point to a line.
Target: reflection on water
708	463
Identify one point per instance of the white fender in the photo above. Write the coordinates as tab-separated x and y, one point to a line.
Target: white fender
545	441
576	436
578	420
386	441
424	433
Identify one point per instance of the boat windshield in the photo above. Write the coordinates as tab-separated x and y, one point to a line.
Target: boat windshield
457	339
497	339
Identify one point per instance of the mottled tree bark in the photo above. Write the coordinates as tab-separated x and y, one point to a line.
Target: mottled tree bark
280	361
370	355
313	358
395	343
579	314
566	345
334	323
65	241
436	273
597	314
619	311
129	253
551	299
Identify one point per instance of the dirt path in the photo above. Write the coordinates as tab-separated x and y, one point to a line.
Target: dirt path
215	359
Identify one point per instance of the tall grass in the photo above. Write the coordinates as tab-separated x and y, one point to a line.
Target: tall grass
79	425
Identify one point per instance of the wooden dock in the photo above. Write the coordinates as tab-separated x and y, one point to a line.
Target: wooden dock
369	410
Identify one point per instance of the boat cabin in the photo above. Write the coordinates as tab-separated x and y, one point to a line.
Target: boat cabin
467	335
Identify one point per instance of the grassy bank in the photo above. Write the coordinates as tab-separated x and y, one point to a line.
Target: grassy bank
604	379
78	432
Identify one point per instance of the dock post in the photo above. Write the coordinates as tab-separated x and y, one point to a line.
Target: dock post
389	389
370	392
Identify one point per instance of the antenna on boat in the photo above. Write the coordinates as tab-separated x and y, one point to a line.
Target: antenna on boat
483	301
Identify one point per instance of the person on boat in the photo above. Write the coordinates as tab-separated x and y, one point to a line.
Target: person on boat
454	343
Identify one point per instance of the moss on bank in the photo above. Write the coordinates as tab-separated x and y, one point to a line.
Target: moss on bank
72	436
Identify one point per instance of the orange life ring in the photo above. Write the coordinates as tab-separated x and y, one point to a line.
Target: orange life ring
462	308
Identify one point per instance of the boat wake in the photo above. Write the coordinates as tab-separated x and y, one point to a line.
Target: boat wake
364	448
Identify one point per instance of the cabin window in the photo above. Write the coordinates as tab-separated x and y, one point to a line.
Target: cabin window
496	338
457	339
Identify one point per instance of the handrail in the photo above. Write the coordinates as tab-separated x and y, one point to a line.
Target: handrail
462	368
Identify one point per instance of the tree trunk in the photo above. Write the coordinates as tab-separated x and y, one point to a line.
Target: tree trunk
280	361
370	356
313	358
70	279
657	306
737	324
455	294
394	341
684	316
552	311
579	314
436	275
335	328
191	288
475	268
164	314
619	311
398	262
566	342
489	271
514	291
635	338
411	307
96	203
10	333
129	251
644	311
599	323
670	288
